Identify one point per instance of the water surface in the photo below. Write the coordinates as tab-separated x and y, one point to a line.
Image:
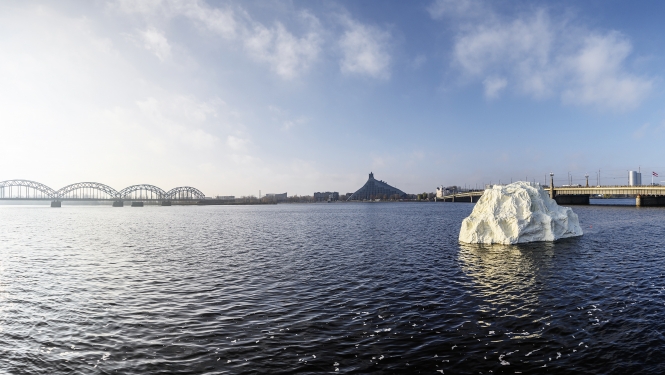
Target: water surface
311	288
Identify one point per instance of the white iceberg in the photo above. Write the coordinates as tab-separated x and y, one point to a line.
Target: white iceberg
518	213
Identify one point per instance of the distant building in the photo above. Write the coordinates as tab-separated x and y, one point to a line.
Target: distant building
376	189
442	191
326	196
225	197
277	197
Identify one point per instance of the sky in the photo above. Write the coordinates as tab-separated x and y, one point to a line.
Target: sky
233	97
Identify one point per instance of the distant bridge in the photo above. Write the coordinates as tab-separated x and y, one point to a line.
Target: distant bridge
644	195
95	191
466	196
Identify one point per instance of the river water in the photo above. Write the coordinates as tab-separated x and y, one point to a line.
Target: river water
324	288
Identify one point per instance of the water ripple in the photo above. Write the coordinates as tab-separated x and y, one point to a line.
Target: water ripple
339	288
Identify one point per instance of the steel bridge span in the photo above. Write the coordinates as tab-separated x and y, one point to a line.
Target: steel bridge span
95	191
566	195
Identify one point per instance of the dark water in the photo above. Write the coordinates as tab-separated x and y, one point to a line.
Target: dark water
613	202
346	288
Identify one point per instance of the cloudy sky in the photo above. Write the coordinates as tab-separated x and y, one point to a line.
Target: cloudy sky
303	96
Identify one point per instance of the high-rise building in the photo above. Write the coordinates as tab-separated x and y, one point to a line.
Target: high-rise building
376	189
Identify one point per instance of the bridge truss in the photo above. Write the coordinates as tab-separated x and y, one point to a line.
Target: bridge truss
31	190
25	189
87	190
185	192
142	192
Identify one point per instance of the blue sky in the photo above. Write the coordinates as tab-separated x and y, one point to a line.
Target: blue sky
304	96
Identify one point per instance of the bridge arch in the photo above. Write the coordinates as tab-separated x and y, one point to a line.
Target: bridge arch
142	191
185	192
87	190
25	189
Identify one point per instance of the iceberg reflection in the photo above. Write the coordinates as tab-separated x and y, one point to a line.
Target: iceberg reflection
506	277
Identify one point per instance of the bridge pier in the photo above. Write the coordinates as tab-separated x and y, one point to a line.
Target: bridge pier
166	203
118	203
137	204
649	200
552	191
56	204
582	199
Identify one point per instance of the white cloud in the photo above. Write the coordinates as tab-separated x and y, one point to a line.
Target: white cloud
181	121
236	143
543	57
521	48
283	117
276	109
456	8
287	54
138	6
494	85
289	124
155	42
221	21
365	50
599	75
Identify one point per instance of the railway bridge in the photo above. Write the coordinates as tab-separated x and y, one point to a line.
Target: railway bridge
17	190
